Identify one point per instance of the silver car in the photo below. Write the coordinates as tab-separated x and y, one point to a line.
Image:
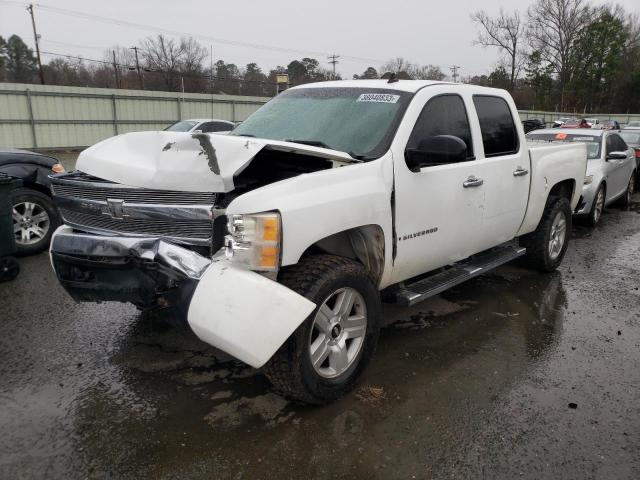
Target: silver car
610	172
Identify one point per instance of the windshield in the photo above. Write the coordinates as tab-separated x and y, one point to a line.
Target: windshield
183	126
359	121
593	142
632	138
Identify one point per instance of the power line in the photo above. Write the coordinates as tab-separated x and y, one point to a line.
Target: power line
35	37
155	29
333	60
454	72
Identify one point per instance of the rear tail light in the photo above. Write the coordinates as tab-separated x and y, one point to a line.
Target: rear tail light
637	152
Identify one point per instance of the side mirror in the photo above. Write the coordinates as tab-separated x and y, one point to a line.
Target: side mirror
616	155
438	150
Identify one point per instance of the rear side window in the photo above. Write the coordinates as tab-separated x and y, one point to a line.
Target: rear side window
499	134
443	115
215	127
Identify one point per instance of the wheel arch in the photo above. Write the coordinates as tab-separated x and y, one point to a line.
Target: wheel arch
364	244
565	188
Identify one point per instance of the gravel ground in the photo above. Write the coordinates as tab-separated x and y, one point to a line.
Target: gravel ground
511	375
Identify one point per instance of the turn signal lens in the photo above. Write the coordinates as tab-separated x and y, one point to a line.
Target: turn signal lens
57	168
588	179
254	241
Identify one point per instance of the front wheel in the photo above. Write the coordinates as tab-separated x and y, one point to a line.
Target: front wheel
324	357
547	245
34	220
597	207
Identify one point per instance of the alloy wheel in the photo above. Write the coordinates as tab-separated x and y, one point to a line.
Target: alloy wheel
338	332
558	235
31	223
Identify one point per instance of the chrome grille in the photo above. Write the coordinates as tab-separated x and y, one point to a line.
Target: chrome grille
99	206
193	229
133	195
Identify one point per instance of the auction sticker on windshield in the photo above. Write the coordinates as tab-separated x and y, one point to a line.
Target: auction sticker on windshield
378	98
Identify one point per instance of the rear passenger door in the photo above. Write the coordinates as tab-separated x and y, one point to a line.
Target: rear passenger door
505	168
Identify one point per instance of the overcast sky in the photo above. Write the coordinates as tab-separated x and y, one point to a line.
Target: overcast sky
439	33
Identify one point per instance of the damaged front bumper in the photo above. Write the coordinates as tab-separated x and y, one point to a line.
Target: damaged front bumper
241	312
148	272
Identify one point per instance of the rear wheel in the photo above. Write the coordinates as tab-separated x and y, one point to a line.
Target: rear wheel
324	357
547	245
34	220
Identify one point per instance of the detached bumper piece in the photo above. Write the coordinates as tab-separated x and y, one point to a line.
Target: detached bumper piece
148	272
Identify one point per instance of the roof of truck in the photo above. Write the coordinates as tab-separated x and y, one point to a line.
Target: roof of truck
403	85
411	86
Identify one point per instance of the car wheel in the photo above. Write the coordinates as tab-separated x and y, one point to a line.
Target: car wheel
547	245
597	207
324	357
9	269
34	220
628	195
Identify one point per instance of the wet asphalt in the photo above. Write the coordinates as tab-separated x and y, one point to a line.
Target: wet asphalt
511	375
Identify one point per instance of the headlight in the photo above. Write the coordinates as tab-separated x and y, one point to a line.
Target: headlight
254	241
588	179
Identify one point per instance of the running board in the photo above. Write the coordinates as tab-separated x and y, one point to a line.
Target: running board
413	293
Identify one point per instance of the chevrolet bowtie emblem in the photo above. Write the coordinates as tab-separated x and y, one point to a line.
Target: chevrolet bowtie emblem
115	208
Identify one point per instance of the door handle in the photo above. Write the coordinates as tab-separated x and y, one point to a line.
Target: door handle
472	181
519	172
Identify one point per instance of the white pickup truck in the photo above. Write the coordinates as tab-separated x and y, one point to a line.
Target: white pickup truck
279	242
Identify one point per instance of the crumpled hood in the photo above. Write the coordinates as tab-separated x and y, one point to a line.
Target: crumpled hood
182	161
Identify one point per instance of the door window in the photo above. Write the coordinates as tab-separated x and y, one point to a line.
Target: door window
442	115
617	144
499	134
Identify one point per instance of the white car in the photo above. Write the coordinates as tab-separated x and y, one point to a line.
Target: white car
633	124
593	122
201	125
332	196
611	168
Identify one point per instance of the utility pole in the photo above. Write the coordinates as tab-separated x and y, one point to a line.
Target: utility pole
454	72
140	76
115	69
36	38
333	59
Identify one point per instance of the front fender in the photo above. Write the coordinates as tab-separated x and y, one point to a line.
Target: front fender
244	313
316	205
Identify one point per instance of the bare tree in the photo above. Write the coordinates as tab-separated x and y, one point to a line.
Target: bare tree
427	72
402	67
505	32
554	27
396	65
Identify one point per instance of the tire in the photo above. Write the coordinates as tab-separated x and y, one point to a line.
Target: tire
597	207
324	279
9	269
34	220
541	255
626	199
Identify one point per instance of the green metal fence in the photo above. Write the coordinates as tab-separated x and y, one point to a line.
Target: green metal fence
54	117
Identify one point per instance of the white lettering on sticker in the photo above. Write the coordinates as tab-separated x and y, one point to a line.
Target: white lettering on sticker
378	98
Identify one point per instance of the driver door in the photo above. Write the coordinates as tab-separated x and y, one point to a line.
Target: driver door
438	207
